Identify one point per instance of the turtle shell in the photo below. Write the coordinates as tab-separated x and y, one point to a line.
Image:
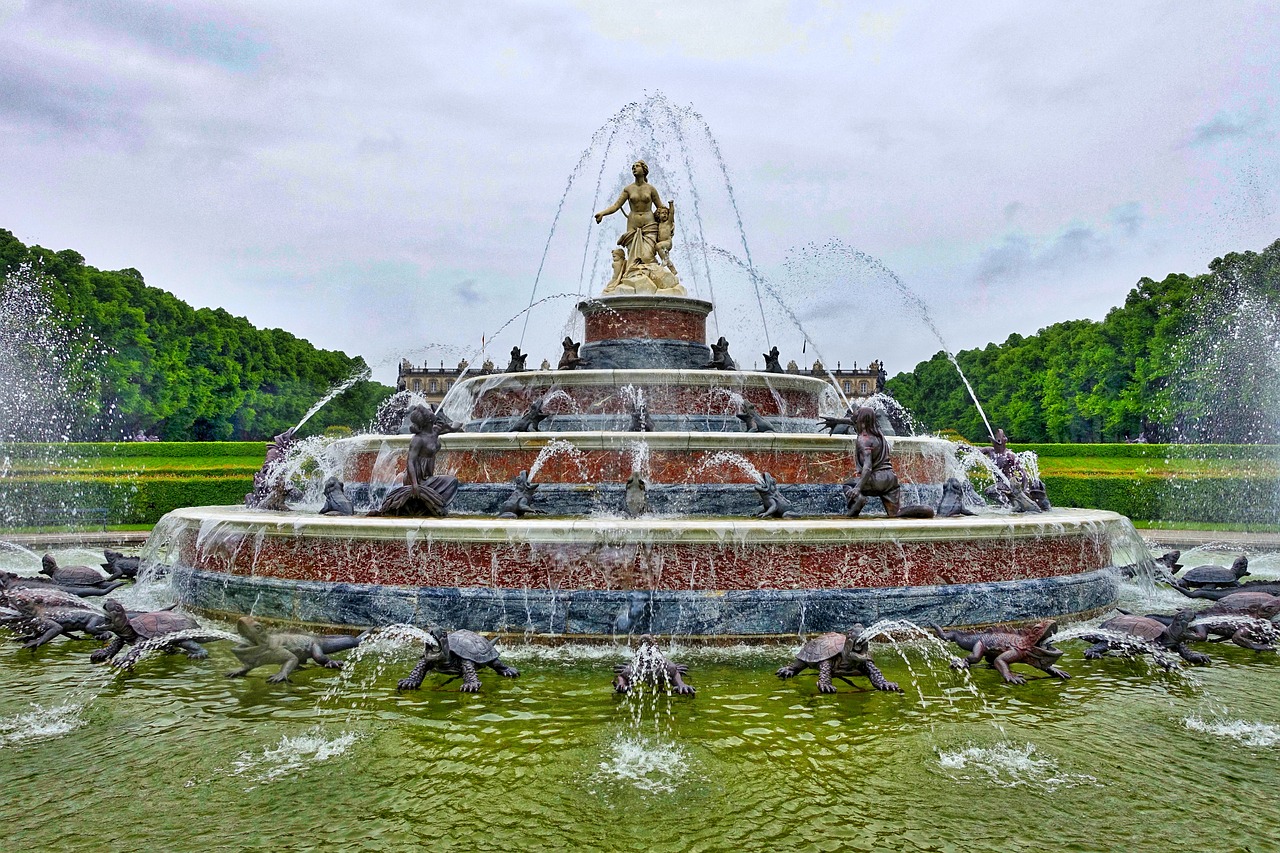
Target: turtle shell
1257	604
1210	574
821	648
1137	626
150	625
78	576
469	645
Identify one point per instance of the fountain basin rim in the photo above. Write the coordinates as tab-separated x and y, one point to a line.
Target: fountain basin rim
623	441
619	377
644	301
655	529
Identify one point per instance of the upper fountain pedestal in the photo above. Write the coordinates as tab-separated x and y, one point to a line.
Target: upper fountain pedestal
637	332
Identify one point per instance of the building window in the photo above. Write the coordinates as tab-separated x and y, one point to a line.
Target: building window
435	386
848	386
417	384
863	387
448	383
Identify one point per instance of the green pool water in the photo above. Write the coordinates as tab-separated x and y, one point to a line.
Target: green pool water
175	757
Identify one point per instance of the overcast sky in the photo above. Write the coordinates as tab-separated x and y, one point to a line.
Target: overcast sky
384	176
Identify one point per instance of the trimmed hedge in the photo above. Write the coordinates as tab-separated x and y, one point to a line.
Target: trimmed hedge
1218	500
1156	452
127	449
137	500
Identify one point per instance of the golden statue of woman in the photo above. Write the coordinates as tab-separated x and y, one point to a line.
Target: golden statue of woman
648	234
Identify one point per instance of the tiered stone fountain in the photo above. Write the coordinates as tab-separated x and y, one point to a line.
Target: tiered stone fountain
697	564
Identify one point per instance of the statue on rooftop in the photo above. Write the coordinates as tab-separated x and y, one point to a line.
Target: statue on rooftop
643	265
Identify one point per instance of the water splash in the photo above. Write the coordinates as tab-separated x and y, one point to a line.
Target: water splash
41	723
727	459
293	754
646	763
1009	765
360	374
1254	734
559	447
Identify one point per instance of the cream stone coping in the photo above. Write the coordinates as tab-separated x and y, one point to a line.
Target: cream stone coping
644	301
734	532
624	441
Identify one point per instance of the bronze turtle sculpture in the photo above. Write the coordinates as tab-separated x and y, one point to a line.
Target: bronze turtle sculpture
837	655
1149	634
1216	577
457	654
154	626
72	575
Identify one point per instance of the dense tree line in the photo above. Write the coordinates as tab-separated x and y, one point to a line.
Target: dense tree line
153	364
1189	358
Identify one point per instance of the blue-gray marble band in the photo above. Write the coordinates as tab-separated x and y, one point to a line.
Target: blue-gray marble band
728	499
661	423
638	353
693	613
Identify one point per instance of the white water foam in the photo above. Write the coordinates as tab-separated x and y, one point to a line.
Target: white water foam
645	763
41	722
1009	765
1243	731
293	754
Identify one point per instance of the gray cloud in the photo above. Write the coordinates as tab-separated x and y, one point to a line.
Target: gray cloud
345	174
1229	126
467	293
190	30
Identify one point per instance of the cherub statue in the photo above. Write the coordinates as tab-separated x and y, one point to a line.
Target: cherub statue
666	217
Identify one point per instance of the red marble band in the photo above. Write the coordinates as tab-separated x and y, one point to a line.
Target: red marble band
647	324
671	566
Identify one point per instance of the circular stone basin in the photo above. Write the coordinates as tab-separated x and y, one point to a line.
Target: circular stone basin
675	400
720	578
676	458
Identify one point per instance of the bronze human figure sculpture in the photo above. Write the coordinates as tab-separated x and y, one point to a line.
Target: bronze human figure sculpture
875	476
1016	487
516	365
771	363
424	493
268	486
